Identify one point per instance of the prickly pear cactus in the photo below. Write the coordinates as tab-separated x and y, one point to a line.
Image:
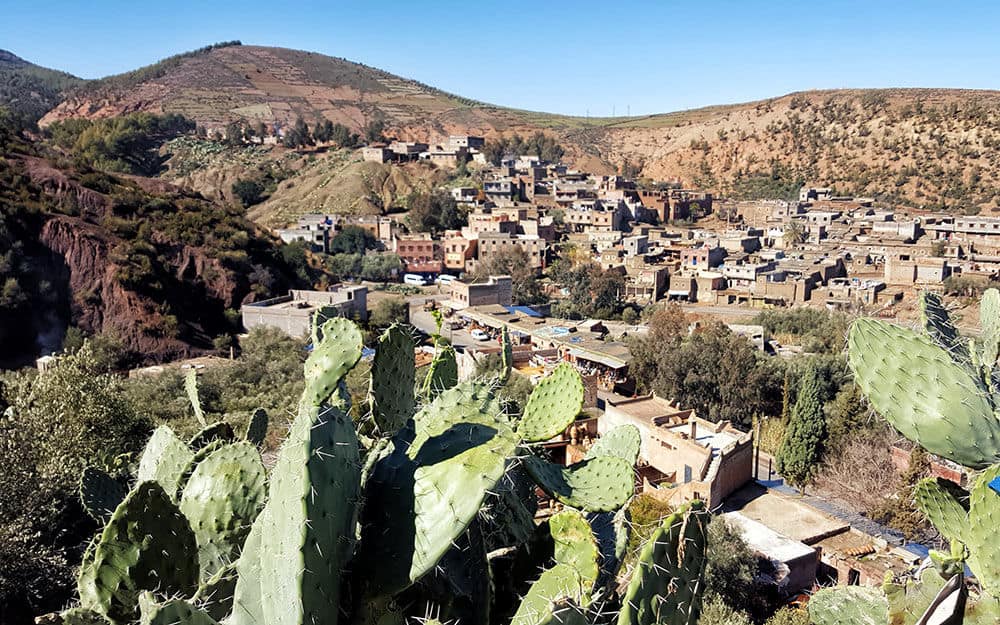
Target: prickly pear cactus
576	546
219	431
215	595
292	561
442	374
989	317
392	379
223	496
553	405
552	598
147	545
256	430
423	495
924	393
981	536
164	459
667	581
100	493
173	612
506	355
332	357
79	616
939	327
600	484
945	505
191	388
849	605
612	530
623	442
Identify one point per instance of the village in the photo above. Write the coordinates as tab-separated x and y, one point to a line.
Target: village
719	257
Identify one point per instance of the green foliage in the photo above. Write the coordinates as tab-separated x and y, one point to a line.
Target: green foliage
388	311
731	570
513	261
800	453
714	371
817	330
353	240
539	144
29	91
249	192
434	211
593	291
126	144
847	414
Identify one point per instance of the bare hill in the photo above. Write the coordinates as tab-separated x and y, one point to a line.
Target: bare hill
922	147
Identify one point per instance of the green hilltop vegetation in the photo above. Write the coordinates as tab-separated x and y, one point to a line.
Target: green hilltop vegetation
28	91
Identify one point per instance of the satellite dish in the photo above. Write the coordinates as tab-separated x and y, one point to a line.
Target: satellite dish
948	607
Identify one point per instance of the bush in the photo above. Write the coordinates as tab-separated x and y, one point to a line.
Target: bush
249	192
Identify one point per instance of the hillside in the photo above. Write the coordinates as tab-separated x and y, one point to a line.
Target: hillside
334	181
930	148
28	90
161	269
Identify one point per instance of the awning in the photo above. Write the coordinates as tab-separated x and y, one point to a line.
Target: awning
604	359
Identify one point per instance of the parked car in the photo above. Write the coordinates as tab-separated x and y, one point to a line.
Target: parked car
479	335
414	279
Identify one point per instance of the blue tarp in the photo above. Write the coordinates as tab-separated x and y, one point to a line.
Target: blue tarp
524	310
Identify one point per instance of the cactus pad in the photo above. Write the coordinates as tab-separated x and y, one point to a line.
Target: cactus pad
923	393
337	352
191	388
423	495
164	459
545	601
100	493
393	377
256	430
981	536
174	612
80	616
849	605
939	327
623	441
219	431
989	319
215	596
553	405
599	484
147	545
292	561
442	374
611	529
945	505
221	499
667	581
576	546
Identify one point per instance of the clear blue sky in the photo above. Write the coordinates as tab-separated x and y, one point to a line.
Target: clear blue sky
563	57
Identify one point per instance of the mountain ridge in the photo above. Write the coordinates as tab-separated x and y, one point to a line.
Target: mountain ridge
920	147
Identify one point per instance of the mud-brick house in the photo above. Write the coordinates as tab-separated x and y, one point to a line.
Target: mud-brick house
683	456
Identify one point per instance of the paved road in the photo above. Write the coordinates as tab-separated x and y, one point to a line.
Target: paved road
424	321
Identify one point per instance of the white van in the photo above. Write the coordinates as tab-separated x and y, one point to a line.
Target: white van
414	279
445	279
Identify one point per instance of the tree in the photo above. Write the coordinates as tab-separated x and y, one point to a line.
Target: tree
374	131
343	266
846	414
352	240
513	261
795	233
381	267
234	134
717	373
434	212
801	451
389	311
323	131
249	192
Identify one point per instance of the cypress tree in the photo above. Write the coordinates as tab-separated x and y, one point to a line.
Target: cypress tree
802	448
